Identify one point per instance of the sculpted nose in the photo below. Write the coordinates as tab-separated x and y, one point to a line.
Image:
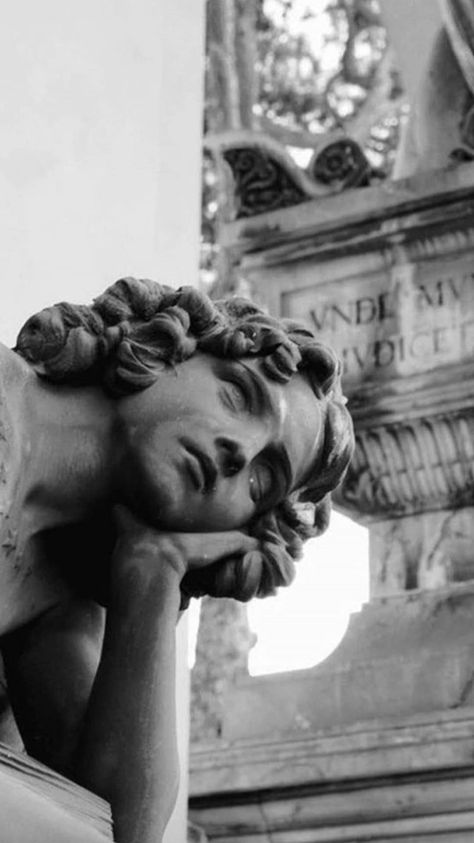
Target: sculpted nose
231	456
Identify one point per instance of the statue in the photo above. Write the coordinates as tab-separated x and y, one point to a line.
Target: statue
154	447
440	128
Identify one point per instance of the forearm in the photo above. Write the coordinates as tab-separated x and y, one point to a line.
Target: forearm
128	751
50	666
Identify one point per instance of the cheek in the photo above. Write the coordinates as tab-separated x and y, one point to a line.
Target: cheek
218	516
231	501
228	508
166	496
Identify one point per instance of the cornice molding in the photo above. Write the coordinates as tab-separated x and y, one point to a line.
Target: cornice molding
413	466
423	742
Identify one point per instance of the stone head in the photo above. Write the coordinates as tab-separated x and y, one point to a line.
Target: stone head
236	419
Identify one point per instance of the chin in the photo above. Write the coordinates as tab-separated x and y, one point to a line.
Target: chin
154	507
155	497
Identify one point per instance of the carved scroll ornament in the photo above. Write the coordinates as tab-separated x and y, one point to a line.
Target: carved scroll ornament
341	164
264	177
261	183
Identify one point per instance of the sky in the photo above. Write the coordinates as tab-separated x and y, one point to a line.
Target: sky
314	25
304	623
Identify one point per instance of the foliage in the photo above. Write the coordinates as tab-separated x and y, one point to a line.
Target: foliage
320	65
312	67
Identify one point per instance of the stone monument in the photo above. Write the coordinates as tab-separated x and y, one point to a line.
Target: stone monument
377	742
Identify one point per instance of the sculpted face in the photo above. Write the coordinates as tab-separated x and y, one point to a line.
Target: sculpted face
214	442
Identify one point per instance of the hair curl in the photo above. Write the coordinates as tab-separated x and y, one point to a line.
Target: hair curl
135	328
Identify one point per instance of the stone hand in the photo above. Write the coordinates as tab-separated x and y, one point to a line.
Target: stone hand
183	551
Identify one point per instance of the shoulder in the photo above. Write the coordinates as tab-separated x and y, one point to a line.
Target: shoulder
15	374
13	369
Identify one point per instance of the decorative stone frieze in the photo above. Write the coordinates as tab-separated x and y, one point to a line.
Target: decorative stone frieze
261	176
341	164
261	182
407	467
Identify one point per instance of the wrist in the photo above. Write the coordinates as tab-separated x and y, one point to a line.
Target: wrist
150	555
140	595
141	571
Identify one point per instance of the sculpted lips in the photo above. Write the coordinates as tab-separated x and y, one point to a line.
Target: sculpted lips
200	466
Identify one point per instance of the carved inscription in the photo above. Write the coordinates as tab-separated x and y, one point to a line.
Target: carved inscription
410	322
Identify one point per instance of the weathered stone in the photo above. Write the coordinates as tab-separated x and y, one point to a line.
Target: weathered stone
261	175
405	779
195	834
223	645
427	550
407	654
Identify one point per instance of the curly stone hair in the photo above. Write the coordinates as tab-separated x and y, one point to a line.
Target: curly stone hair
135	329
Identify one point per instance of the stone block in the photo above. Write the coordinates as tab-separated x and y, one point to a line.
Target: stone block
410	779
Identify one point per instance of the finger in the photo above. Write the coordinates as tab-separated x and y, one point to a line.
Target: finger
205	548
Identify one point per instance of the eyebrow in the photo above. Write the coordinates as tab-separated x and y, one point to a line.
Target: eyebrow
260	390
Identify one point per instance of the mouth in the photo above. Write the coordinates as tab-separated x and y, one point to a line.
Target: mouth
200	466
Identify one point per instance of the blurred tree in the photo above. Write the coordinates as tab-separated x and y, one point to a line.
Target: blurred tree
298	69
327	66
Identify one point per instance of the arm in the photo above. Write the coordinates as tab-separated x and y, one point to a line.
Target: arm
50	666
118	739
116	736
128	751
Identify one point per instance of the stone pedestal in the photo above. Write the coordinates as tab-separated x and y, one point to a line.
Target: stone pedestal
385	274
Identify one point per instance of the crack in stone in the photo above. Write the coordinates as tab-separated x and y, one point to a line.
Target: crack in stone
463	696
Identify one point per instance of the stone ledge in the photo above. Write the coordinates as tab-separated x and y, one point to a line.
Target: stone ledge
366	214
410	780
419	744
258	824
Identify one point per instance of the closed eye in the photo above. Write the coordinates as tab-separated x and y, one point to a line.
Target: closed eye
235	396
261	482
270	477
